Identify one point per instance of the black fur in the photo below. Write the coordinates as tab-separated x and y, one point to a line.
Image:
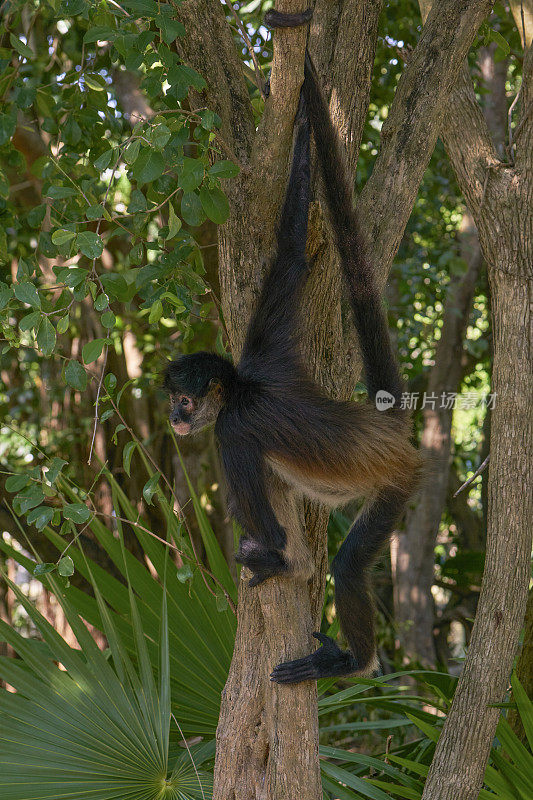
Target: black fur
193	373
272	409
380	365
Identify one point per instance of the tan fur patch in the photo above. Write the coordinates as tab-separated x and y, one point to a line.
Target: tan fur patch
376	456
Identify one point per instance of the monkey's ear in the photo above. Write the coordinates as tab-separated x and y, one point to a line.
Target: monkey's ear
216	388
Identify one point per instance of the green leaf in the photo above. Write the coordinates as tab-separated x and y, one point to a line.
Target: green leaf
181	77
150	487
40	517
91	351
110	382
62	325
431	731
115	286
224	169
103	161
6	293
90	244
29	498
191	209
215	204
62	236
174	222
184	573
76	512
55	468
95	81
100	33
503	46
36	215
170	28
61	192
8	123
16	482
30	321
525	708
108	319
191	174
46	337
94	212
137	202
127	453
131	152
27	293
66	567
156	312
75	375
222	601
101	302
43	569
20	47
149	166
159	135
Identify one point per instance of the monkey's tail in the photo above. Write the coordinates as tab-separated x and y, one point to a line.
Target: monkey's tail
381	369
354	600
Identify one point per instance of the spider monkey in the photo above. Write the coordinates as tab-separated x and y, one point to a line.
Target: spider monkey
269	415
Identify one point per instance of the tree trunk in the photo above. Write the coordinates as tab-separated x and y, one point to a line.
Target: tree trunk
414	551
500	197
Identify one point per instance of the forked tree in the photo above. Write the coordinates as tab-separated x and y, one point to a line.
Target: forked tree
267	741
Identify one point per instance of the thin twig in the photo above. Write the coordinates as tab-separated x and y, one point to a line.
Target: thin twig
387	749
509	124
98	391
478	471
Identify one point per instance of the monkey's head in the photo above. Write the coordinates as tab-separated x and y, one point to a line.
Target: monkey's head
198	385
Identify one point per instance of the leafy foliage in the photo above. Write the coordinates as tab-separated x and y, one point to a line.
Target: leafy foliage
98	727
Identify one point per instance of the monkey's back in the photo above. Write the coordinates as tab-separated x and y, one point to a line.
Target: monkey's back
329	450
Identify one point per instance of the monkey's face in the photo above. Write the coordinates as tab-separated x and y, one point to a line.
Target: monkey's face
181	414
192	414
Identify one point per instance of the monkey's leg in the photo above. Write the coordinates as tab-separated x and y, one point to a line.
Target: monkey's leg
353	600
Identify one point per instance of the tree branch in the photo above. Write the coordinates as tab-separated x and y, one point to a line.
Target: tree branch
413	124
209	48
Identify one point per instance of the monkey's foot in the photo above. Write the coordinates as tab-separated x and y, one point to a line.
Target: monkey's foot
264	563
329	661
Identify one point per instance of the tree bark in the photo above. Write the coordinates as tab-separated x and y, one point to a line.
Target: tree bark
414	561
500	196
268	735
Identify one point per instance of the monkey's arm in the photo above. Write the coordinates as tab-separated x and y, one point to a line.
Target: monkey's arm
270	338
265	539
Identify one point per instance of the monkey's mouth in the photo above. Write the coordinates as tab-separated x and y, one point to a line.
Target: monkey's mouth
181	428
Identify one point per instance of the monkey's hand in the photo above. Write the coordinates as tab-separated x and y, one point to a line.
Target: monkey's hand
264	563
328	661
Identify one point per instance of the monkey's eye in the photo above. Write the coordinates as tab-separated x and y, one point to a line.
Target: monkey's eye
184	401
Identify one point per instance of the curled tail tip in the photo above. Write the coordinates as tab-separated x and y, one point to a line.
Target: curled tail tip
282	19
